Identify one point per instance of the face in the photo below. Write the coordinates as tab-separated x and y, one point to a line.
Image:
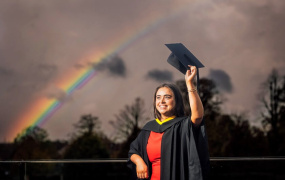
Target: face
165	102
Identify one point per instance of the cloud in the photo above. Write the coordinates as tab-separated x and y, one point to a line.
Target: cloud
265	25
114	65
5	72
47	70
59	94
79	66
160	75
222	79
39	41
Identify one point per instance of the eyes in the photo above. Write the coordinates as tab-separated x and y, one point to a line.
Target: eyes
158	97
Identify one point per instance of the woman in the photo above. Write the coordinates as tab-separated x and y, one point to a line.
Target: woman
172	147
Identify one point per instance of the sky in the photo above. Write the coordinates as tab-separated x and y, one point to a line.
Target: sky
44	44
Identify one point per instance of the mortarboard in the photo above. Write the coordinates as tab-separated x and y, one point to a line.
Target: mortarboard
181	57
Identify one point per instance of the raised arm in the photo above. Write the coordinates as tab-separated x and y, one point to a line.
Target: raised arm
196	106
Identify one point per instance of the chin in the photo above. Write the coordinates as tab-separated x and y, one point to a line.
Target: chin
163	113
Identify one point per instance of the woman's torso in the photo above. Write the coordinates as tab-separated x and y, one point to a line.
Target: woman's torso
154	153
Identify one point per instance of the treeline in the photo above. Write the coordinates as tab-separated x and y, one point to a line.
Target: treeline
228	134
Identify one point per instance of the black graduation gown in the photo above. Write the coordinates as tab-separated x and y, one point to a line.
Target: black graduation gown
184	149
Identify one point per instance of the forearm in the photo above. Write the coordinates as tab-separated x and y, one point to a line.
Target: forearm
136	159
196	106
141	168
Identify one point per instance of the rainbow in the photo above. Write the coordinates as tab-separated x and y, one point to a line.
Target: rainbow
43	109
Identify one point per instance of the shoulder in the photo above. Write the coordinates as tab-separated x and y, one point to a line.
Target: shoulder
183	119
149	126
150	122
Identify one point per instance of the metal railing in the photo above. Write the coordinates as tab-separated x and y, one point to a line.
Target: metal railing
221	168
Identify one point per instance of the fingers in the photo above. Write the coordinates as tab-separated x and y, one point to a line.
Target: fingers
191	72
192	68
142	170
142	175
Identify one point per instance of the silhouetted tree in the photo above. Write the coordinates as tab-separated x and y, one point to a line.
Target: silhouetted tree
33	143
246	140
86	146
87	124
273	114
87	142
129	120
127	124
36	133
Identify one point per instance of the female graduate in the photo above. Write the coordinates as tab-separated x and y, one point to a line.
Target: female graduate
172	147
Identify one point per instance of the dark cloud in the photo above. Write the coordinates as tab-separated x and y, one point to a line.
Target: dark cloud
79	66
160	75
266	25
47	70
5	72
117	67
222	79
58	94
114	65
41	39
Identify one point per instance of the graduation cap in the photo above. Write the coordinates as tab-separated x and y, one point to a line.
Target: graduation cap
181	57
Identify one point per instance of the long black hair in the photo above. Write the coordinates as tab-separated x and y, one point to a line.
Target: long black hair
179	105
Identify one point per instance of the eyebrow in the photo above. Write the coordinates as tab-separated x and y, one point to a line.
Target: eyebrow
164	95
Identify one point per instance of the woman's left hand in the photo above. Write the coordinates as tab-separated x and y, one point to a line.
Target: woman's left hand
190	74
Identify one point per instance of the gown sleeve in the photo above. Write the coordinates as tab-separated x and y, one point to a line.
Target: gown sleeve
134	149
201	141
138	146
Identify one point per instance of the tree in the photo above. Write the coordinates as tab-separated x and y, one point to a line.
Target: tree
273	102
33	143
87	142
246	140
127	125
86	146
36	133
129	120
87	124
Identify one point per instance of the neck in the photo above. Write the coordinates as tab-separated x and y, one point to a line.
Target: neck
162	118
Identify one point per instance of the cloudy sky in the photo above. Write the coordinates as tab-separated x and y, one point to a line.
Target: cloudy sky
41	42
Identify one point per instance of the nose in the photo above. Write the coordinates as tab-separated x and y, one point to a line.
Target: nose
162	100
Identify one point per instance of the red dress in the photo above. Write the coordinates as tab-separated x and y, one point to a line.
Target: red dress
153	149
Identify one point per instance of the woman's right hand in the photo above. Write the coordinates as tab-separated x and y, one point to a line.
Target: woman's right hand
140	166
142	170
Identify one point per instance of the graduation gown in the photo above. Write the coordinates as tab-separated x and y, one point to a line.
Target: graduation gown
184	149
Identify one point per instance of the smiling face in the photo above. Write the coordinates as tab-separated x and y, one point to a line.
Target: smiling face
165	102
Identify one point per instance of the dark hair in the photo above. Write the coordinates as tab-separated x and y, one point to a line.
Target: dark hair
179	105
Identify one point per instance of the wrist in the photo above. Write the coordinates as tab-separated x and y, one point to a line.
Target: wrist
190	86
139	162
192	90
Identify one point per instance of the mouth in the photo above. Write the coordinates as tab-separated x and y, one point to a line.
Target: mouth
162	106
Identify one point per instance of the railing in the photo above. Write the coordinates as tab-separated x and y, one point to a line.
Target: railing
232	168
